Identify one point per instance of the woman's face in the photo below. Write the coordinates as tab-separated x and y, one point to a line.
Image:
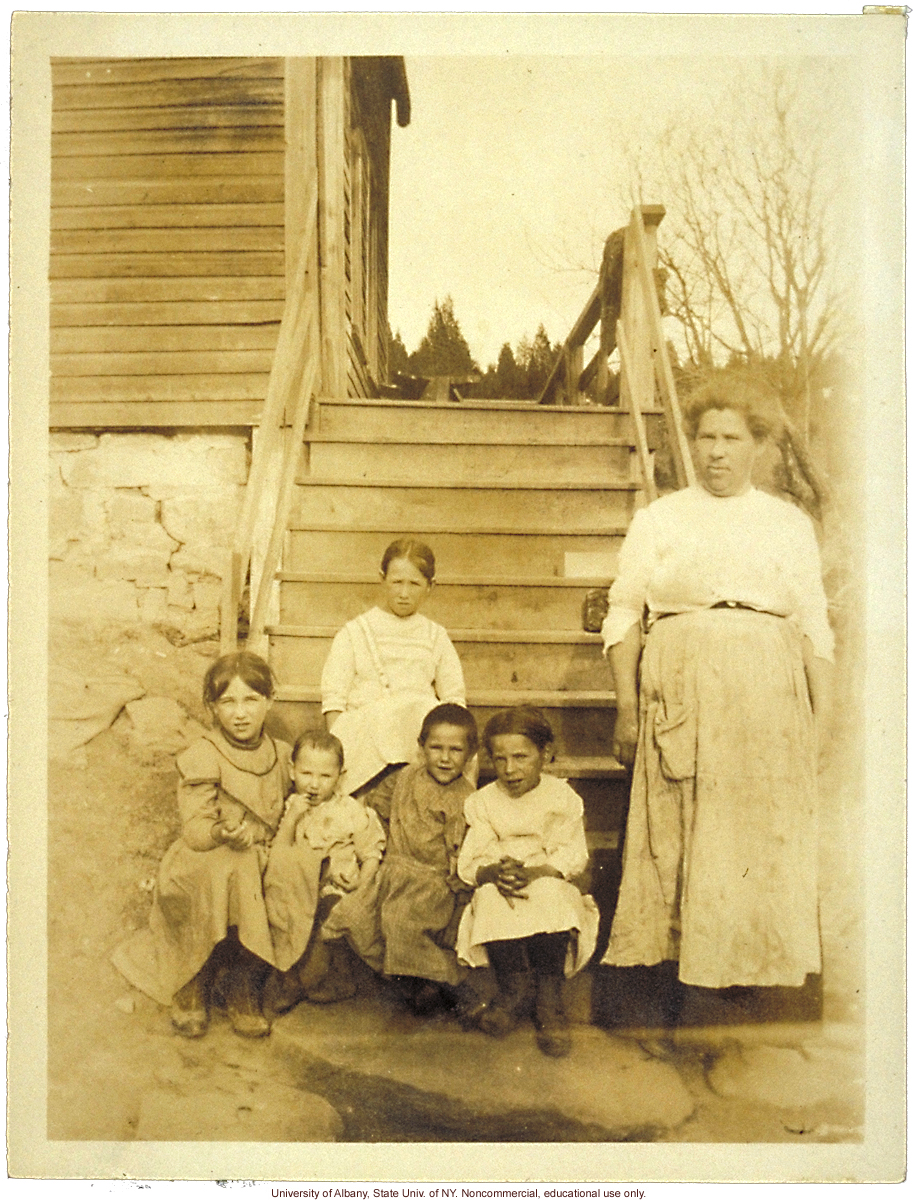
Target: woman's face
404	588
724	452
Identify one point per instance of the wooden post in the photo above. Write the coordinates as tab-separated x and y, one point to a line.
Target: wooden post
575	362
646	257
228	604
331	248
630	398
301	101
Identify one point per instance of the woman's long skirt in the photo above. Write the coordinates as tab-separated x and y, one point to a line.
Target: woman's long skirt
720	857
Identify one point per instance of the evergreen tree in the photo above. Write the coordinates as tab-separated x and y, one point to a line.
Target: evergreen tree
399	361
540	359
443	350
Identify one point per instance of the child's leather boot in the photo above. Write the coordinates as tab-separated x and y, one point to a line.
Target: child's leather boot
190	1011
243	1004
553	1037
337	983
512	1001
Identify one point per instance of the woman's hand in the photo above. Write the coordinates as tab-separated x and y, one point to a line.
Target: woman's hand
237	836
626	735
624	660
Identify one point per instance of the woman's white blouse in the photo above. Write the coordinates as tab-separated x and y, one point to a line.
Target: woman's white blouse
690	549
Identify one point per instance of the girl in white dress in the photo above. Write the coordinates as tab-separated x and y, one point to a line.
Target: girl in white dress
524	848
387	668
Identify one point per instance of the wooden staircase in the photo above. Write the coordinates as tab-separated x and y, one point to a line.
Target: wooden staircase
525	507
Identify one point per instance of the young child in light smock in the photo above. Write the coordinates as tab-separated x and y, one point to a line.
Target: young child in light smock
420	894
524	847
387	668
208	932
321	880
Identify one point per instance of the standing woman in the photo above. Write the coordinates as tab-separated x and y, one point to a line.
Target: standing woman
721	710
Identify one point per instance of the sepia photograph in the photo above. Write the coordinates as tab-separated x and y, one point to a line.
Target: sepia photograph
457	624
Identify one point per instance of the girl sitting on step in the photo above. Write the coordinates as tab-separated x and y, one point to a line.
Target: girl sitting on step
420	895
525	846
208	932
387	668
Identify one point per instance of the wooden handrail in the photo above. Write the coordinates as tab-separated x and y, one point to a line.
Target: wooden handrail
625	302
286	407
292	453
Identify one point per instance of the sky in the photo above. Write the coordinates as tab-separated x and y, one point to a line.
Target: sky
513	171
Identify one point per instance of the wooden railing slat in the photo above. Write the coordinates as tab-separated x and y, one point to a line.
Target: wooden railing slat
264	483
627	393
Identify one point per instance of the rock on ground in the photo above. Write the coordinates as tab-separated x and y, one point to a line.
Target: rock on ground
280	1114
606	1082
787	1077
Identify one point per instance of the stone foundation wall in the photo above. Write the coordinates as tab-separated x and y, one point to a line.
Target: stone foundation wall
141	525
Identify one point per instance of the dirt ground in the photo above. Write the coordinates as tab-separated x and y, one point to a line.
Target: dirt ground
117	1072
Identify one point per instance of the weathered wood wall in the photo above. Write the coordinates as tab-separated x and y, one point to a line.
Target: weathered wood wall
178	188
167	239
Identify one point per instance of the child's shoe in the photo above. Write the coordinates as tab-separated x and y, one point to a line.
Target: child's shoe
338	983
244	999
464	1003
501	1016
282	991
427	999
189	1011
553	1037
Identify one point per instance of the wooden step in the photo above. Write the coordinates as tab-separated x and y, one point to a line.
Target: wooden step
412	506
357	459
582	721
504	603
491	659
322	549
489	422
587	767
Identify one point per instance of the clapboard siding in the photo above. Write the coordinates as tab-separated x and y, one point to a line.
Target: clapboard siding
188	288
211	387
213	190
168	94
87	339
164	167
171	204
70	71
155	117
245	316
131	217
168	142
152	363
167	238
241	263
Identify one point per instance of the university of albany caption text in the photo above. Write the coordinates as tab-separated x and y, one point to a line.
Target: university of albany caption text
540	1192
